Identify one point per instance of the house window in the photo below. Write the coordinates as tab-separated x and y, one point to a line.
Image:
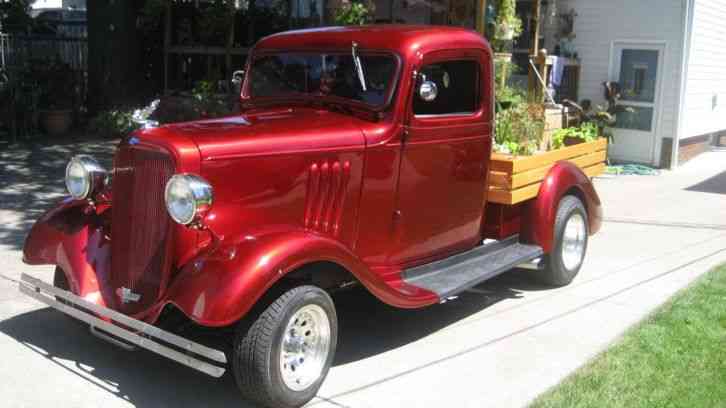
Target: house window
457	83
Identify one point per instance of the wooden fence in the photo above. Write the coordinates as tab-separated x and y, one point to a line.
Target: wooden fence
18	49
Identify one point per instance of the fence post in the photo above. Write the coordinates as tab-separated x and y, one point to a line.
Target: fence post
2	49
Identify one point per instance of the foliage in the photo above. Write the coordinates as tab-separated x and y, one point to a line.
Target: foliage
503	68
508	25
113	123
586	132
354	13
674	358
216	19
15	16
507	96
507	20
206	102
519	129
603	117
203	104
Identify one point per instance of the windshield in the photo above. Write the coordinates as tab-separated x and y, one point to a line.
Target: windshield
318	74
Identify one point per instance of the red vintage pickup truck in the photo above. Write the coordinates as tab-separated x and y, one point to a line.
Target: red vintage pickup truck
361	156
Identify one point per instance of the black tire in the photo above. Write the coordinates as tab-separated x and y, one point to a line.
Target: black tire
257	347
555	272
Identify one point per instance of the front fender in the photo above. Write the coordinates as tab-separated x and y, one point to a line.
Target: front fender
540	213
71	236
221	285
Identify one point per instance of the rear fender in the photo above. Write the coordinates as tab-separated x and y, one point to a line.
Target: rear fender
221	285
540	213
71	236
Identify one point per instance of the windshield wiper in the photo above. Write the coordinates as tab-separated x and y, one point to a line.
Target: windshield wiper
358	66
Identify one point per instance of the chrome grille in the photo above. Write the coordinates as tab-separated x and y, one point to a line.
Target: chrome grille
141	227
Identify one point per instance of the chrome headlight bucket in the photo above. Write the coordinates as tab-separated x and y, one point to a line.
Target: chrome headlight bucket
188	198
84	176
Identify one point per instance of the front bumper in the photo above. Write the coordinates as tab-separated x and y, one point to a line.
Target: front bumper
130	330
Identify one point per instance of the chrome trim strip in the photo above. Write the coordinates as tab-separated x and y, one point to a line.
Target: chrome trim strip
35	288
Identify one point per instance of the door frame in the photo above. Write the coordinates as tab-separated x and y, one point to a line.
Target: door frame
614	71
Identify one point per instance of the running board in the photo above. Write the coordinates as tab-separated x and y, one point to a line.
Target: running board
459	272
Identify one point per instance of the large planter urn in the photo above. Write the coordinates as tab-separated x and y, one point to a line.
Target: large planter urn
56	122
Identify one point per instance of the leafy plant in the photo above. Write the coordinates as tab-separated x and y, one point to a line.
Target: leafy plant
113	123
586	132
353	13
507	96
507	26
603	117
15	16
206	102
519	129
216	19
203	104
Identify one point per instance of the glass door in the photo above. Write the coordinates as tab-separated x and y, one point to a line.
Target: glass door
637	68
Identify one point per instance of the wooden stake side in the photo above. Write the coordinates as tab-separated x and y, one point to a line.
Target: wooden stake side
516	179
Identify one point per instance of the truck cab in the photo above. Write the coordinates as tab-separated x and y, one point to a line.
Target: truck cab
360	157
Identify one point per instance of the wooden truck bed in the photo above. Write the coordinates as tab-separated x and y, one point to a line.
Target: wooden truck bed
513	179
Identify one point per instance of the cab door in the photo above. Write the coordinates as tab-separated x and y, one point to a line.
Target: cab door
445	157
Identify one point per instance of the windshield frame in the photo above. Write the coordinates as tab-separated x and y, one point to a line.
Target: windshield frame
391	92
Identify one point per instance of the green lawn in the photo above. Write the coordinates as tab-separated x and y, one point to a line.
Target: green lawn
675	358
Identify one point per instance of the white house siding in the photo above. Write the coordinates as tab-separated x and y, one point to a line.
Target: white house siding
601	23
705	99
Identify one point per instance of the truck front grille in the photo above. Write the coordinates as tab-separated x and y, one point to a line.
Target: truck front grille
140	228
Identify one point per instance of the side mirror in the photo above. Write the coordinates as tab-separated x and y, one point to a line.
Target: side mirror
238	77
428	91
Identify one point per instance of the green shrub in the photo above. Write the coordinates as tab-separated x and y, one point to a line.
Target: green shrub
587	132
519	129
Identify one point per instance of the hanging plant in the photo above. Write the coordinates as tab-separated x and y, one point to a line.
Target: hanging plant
508	24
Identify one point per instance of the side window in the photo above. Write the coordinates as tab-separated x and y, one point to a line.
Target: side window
457	85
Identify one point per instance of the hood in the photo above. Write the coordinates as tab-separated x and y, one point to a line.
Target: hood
278	131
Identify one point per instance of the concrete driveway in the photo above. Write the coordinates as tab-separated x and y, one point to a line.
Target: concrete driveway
499	345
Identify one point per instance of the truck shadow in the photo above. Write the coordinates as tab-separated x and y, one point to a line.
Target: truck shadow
367	328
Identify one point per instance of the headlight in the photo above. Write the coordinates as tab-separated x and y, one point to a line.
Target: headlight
188	198
84	176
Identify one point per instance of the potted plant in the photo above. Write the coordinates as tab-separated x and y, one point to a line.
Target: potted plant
56	102
508	25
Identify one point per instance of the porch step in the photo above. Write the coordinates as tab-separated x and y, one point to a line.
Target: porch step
454	274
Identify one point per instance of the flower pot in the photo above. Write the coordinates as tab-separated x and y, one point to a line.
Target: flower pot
56	122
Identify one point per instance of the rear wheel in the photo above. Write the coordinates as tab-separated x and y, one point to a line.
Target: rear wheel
282	359
570	245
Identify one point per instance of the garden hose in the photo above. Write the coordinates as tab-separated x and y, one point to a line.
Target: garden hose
631	170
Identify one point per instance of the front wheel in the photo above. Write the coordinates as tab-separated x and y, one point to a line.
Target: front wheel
284	356
570	246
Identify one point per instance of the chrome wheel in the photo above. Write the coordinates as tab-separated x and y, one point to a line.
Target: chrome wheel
573	241
305	347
